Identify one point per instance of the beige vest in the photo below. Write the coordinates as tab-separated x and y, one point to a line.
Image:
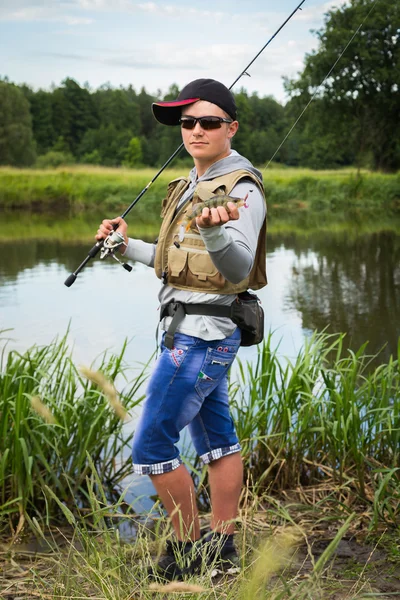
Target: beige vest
187	265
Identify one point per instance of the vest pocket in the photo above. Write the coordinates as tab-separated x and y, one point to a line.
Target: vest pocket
177	260
202	272
193	269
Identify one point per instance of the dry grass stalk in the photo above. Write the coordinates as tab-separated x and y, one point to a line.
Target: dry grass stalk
42	410
274	554
109	390
177	586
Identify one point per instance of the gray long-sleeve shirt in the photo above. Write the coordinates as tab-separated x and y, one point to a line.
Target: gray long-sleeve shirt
232	248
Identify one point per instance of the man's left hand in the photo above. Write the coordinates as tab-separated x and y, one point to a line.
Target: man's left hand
215	217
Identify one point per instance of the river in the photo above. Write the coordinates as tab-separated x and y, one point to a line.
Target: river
341	282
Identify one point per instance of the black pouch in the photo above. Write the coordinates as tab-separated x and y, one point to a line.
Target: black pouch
248	315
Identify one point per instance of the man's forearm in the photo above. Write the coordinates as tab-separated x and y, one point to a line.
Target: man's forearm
233	258
140	251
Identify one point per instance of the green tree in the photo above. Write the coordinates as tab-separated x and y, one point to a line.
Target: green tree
17	146
361	97
147	121
74	113
241	140
117	107
315	143
133	155
91	158
110	144
260	130
42	118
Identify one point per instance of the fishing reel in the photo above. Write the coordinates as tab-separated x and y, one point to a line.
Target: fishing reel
111	243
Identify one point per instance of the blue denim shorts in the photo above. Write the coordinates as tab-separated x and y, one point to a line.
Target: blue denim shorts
189	386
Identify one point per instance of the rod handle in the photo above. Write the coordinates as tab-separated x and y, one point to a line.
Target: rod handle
96	248
70	280
92	253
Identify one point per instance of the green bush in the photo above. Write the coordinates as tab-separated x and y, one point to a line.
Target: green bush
53	159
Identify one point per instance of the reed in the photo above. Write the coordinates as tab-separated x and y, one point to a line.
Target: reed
323	428
51	420
324	416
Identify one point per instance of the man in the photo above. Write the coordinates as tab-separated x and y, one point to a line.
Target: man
221	255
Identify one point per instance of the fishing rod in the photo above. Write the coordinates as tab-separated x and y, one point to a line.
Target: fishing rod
108	246
320	85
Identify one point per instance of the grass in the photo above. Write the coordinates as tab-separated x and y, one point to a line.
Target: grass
51	419
324	416
288	191
67	204
284	556
321	443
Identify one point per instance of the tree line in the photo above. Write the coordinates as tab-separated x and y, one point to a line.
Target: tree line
114	127
351	120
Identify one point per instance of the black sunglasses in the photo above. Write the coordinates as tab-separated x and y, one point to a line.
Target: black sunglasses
205	122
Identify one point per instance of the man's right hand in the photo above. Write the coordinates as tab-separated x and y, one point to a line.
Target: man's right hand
108	226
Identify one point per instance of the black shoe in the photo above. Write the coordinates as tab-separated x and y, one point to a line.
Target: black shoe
180	560
216	553
221	554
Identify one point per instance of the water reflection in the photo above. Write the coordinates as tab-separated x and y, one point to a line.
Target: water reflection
348	284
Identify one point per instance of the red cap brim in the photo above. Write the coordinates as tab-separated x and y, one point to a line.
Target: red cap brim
169	113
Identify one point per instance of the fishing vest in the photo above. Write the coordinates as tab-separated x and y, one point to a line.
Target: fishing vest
187	265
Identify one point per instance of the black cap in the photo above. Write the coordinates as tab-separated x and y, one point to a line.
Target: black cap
169	113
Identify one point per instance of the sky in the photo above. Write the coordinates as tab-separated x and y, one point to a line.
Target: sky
156	44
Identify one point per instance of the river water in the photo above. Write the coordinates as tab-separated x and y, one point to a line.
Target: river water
340	282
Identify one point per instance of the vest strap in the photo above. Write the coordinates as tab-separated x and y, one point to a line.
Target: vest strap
178	310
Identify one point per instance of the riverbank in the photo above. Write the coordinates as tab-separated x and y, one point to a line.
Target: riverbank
319	512
341	195
291	549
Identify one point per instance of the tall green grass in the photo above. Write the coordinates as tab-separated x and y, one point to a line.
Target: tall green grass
293	191
51	420
324	416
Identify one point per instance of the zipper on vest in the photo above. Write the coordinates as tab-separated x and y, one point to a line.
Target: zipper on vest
187	249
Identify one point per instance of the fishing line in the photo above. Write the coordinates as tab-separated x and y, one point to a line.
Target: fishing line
114	243
317	90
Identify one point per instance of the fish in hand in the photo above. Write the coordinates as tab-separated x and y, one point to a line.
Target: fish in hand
214	202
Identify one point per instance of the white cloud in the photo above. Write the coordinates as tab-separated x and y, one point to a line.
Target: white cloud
99	54
313	16
70	11
74	12
228	59
167	56
42	10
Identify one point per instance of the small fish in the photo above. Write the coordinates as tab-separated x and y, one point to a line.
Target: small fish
218	200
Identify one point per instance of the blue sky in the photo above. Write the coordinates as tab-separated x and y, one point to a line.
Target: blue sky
155	44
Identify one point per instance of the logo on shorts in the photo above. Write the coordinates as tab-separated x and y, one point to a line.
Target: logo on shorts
204	376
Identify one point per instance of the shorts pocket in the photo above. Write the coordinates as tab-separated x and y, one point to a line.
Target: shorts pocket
215	366
178	353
